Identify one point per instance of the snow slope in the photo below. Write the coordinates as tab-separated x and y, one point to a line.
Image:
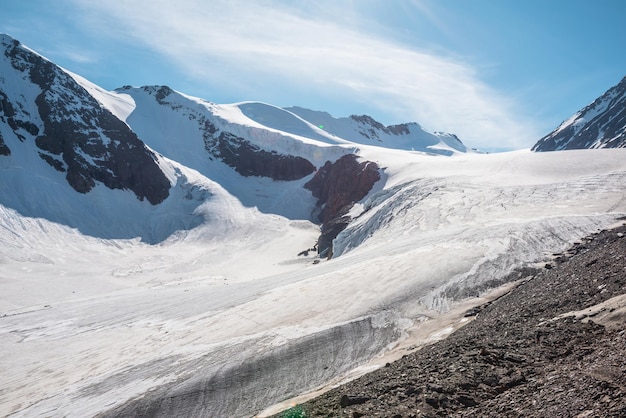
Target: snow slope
601	124
365	130
226	325
226	312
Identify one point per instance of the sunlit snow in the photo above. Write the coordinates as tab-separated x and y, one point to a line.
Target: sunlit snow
211	302
88	324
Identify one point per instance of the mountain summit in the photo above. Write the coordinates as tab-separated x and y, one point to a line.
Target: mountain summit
58	127
602	124
72	132
157	251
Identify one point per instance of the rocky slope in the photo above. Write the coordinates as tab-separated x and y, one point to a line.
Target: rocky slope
57	127
337	187
74	133
602	124
554	346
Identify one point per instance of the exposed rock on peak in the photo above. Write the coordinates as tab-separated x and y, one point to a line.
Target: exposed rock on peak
372	128
364	129
80	136
602	124
250	160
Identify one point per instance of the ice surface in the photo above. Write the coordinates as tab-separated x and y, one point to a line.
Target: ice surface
201	305
228	312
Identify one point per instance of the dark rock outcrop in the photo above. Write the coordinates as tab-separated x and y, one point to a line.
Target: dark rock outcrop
9	116
250	160
602	124
4	149
337	186
81	137
370	128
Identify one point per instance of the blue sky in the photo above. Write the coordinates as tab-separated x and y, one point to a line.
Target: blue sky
498	73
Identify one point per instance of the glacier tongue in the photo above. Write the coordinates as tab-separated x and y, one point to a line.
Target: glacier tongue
127	326
228	310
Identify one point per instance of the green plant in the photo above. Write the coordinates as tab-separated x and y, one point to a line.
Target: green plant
295	412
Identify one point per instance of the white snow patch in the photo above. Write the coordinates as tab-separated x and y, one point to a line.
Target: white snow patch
77	312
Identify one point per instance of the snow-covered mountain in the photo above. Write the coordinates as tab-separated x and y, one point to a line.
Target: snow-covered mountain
602	124
69	159
263	155
156	249
365	130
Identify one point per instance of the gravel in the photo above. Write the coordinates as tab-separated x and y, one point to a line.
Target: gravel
542	350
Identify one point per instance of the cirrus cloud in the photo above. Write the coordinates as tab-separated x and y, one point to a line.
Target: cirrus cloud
298	56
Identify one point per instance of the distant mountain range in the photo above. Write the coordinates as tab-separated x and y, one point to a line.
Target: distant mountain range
58	128
602	124
62	137
162	255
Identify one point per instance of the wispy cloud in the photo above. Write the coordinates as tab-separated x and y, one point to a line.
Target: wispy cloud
324	51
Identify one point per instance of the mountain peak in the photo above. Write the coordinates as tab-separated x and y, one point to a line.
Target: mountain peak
364	129
601	124
6	39
73	131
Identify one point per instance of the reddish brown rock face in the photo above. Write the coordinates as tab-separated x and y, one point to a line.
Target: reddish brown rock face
250	160
338	186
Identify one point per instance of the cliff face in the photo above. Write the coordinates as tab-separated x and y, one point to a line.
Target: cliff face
250	160
76	135
338	186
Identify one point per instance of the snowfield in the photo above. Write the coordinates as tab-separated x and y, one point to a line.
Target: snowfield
225	318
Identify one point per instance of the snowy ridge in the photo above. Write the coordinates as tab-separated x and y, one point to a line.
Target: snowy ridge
178	110
180	127
121	105
365	130
601	124
209	299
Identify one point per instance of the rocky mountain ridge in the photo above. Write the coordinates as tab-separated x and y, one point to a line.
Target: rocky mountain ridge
601	124
117	140
74	133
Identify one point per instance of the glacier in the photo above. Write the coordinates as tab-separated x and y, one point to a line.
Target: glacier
214	323
213	302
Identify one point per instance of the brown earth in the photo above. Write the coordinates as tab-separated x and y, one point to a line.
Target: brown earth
553	347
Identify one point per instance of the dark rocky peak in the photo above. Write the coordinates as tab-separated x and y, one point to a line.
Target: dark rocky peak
160	93
371	128
368	127
368	120
80	137
453	136
337	187
401	129
602	124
